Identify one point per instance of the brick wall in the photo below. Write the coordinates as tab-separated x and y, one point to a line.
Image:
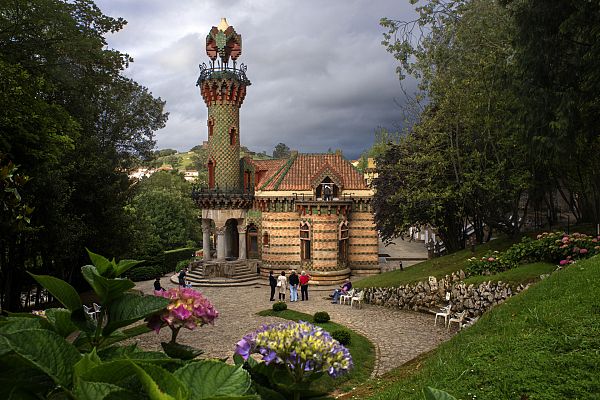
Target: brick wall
364	244
284	242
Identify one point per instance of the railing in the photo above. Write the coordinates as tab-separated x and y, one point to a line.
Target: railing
222	72
203	191
302	197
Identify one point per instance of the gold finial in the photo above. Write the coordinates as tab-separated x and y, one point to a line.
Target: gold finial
223	25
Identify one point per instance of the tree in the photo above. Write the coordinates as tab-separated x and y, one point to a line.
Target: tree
463	161
281	151
74	124
163	215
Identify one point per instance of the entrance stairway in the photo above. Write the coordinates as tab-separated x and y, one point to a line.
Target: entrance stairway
238	273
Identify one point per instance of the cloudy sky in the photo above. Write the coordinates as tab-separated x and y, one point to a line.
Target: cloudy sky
320	77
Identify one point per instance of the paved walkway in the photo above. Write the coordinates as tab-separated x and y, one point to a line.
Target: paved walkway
397	335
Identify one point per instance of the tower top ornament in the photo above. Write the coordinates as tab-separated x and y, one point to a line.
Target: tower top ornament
223	42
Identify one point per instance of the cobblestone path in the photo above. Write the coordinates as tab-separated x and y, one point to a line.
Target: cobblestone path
397	335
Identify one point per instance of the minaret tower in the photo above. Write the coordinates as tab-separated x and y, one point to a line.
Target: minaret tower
223	88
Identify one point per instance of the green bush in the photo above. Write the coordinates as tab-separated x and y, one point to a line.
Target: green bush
173	257
181	265
279	306
321	317
144	273
343	336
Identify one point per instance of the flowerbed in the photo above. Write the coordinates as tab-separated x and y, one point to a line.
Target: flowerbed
556	247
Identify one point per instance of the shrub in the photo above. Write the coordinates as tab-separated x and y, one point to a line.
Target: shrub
343	336
144	273
279	306
490	263
172	257
321	317
181	265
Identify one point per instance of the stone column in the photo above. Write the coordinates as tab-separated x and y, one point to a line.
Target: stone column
206	225
220	243
242	246
227	241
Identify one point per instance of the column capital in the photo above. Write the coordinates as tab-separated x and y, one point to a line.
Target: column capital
220	230
242	229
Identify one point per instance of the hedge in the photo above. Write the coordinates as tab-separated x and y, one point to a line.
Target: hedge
172	257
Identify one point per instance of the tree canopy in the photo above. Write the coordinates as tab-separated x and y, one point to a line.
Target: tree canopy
73	124
506	116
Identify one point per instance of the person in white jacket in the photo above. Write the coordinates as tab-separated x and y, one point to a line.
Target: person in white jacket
281	286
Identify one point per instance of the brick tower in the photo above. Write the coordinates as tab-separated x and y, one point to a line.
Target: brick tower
223	88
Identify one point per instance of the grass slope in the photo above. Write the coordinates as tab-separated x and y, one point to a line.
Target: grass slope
361	349
438	267
541	344
526	273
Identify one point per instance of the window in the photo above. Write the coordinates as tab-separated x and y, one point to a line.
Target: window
211	174
211	126
305	241
247	180
232	135
343	242
327	190
265	238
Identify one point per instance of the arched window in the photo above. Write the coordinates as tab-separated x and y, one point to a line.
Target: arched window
327	190
211	173
265	238
232	136
343	242
211	126
305	241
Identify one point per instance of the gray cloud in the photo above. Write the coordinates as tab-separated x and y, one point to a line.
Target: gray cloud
320	76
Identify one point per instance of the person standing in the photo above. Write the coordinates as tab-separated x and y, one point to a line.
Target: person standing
273	284
181	277
281	285
304	278
294	281
157	286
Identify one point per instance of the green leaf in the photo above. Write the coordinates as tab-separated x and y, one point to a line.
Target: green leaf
61	321
125	265
20	393
61	290
436	394
97	390
87	362
47	351
103	266
107	289
13	324
131	308
180	351
109	372
159	383
120	335
210	378
17	373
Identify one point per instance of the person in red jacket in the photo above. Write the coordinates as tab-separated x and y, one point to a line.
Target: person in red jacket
304	278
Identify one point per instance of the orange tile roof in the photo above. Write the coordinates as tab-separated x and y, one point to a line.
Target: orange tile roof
300	170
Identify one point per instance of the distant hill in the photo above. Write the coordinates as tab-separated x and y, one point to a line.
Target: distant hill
195	159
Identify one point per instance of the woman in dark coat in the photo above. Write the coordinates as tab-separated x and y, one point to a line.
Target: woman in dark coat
273	284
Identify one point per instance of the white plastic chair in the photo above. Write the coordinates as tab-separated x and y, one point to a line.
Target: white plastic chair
445	313
358	297
459	319
347	296
90	312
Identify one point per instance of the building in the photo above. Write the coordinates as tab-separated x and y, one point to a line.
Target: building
307	212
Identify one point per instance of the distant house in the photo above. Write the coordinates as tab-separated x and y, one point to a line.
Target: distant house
191	175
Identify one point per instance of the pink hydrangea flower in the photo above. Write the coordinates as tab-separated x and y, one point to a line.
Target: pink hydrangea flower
188	308
563	262
583	251
491	259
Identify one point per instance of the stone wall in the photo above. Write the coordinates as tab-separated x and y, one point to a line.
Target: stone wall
430	296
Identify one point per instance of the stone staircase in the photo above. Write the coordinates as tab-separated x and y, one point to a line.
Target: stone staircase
222	274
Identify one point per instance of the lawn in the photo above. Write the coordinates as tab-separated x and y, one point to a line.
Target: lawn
438	267
540	344
526	273
361	349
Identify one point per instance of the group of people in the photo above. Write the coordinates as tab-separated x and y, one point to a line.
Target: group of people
280	284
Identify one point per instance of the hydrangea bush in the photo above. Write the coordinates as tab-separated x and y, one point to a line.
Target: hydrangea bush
295	353
556	247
